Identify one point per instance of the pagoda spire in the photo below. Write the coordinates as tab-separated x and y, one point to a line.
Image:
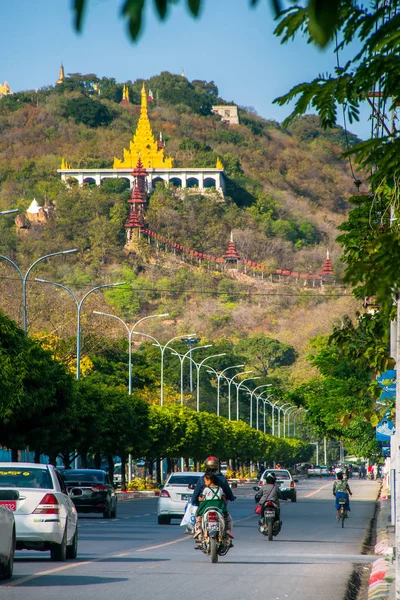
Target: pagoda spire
144	145
231	255
61	76
327	269
125	95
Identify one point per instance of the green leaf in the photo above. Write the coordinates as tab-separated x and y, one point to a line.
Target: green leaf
78	8
323	20
194	7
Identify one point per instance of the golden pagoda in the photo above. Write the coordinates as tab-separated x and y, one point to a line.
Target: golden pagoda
125	95
144	145
5	89
61	77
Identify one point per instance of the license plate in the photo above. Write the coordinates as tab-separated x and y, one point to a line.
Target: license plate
342	501
212	527
270	513
186	497
11	504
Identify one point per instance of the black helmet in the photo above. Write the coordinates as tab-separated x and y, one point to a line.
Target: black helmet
270	478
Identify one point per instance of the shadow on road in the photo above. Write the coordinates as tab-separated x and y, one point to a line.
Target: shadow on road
70	581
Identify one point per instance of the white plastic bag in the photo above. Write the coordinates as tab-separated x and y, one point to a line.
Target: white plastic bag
189	518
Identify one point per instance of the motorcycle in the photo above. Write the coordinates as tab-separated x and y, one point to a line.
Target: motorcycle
269	523
214	541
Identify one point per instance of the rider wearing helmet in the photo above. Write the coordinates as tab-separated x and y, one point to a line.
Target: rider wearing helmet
212	466
270	491
341	489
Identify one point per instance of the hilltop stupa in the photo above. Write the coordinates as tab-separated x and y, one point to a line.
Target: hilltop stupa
144	145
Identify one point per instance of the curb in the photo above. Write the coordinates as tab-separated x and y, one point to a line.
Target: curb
122	496
382	570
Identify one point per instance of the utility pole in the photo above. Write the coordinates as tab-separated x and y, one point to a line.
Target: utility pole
325	458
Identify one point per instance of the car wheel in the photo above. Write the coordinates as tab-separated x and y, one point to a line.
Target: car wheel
164	520
294	498
58	552
114	512
6	570
72	550
107	512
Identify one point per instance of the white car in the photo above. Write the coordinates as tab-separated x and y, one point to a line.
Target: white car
7	542
175	495
45	516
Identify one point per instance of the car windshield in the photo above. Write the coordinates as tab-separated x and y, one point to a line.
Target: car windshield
183	479
25	477
279	474
86	476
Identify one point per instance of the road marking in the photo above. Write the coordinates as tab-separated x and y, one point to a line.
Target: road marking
318	490
49	572
162	545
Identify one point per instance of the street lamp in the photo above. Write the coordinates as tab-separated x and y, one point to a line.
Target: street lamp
286	412
8	212
191	343
238	386
289	414
280	408
229	389
252	392
295	417
198	367
273	404
130	333
24	278
78	306
259	397
219	376
182	358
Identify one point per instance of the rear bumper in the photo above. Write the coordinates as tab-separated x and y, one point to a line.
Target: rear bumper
171	508
38	531
91	505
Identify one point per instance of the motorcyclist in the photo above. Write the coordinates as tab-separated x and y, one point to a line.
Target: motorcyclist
212	466
341	489
271	492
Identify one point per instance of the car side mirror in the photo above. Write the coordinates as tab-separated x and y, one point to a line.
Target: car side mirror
161	486
191	486
295	480
256	488
234	485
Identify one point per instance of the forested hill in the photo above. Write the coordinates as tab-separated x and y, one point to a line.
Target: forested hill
287	192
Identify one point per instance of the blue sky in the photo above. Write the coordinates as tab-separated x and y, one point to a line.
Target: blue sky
234	47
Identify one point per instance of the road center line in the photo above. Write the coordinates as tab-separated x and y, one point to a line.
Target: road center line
318	490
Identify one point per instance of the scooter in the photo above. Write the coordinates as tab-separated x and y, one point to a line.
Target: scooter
269	523
214	541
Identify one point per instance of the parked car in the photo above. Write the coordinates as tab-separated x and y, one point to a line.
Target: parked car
7	541
175	495
91	491
284	480
45	516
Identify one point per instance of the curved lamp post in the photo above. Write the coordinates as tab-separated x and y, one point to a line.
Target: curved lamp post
259	397
130	332
273	404
182	358
219	377
280	408
290	411
252	392
229	389
198	367
162	350
25	277
238	386
286	412
295	417
78	306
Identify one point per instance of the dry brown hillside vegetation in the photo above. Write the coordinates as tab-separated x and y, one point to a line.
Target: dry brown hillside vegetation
287	192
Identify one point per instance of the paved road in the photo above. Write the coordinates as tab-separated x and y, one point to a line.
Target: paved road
133	557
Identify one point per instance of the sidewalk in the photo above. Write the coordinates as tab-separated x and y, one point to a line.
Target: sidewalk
381	581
